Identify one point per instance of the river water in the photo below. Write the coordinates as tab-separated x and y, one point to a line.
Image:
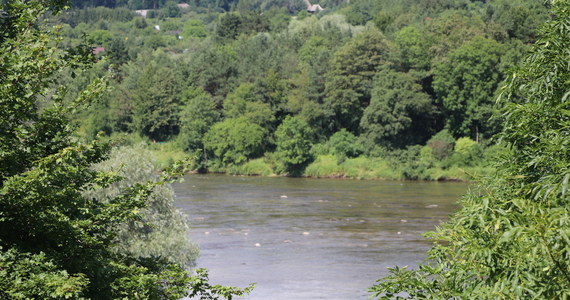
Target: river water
300	238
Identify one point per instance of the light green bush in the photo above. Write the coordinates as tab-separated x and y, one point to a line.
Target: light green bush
324	166
257	166
164	233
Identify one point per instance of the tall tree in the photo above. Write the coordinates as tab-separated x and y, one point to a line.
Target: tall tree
228	27
246	102
197	115
118	53
294	140
215	70
314	57
156	102
520	19
349	80
466	84
413	49
258	55
451	29
399	113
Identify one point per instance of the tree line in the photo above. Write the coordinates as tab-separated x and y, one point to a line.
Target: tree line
393	76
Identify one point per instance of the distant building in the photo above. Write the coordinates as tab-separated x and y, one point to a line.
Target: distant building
98	50
142	12
183	5
313	8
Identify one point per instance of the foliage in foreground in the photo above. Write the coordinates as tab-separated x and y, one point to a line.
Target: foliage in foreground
57	239
511	239
163	229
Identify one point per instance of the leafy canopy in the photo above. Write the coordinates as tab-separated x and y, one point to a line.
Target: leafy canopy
294	141
511	240
57	240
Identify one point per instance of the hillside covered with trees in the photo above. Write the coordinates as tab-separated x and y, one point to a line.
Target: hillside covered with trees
366	89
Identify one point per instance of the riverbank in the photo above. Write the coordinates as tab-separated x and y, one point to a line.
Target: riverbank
402	167
328	166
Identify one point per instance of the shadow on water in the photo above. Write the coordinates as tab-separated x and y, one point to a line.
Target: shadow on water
300	238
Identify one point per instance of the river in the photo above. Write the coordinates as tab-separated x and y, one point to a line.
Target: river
300	238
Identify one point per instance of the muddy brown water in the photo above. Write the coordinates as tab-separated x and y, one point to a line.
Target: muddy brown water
300	238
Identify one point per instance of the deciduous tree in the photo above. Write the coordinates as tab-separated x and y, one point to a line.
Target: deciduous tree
349	80
197	116
156	102
399	113
466	84
294	140
234	141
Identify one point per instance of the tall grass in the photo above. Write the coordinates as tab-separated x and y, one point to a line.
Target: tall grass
256	166
380	168
369	168
324	166
167	153
359	168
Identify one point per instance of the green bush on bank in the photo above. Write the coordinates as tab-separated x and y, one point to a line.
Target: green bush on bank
357	168
257	166
324	166
379	168
465	161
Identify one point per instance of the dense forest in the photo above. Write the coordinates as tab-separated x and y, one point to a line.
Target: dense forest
362	89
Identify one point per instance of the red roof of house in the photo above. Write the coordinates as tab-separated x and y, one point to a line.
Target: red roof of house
98	50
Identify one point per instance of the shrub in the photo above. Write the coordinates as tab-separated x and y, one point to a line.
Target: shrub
294	141
163	233
344	144
233	141
442	144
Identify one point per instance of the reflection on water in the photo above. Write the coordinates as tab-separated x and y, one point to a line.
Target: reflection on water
301	238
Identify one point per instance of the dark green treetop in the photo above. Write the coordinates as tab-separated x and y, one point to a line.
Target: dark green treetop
399	113
349	80
466	84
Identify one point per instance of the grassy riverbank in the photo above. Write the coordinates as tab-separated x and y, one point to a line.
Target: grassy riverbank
414	163
329	166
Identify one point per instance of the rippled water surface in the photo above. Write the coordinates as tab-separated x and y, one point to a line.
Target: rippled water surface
301	238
